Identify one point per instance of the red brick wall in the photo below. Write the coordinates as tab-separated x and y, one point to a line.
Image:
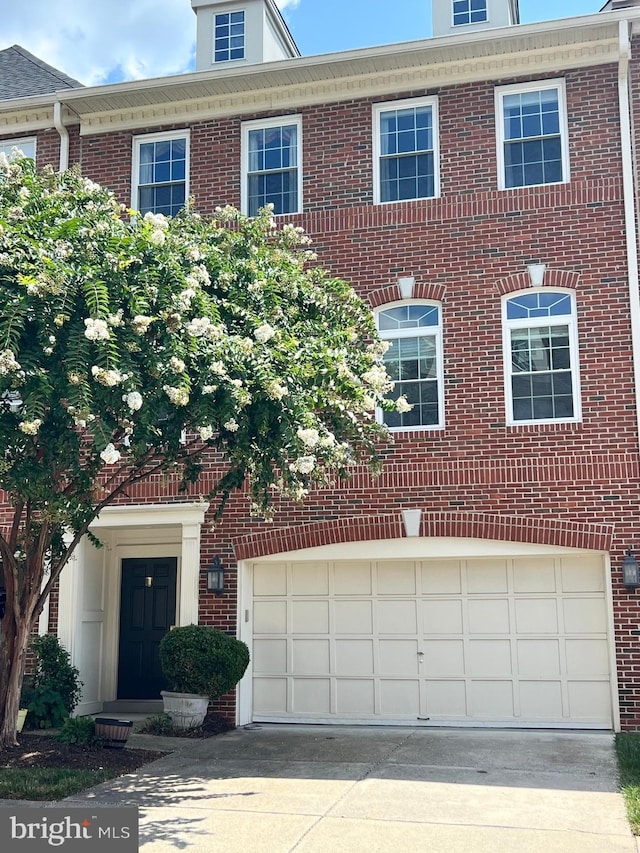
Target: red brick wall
463	248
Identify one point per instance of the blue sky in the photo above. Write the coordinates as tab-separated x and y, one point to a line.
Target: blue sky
98	41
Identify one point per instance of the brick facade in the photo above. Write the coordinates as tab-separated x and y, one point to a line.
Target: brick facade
566	484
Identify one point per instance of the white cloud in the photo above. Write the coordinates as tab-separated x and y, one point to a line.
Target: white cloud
99	41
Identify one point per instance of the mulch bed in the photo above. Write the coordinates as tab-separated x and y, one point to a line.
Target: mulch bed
41	750
37	750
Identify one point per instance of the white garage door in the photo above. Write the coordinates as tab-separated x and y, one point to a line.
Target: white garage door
519	641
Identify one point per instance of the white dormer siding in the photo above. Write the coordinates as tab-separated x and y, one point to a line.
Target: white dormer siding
463	16
231	33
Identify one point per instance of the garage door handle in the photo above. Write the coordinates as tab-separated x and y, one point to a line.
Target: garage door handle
420	654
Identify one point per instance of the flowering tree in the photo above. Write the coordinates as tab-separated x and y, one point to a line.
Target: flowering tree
136	345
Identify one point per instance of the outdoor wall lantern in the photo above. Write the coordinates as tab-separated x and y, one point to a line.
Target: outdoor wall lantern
630	571
215	576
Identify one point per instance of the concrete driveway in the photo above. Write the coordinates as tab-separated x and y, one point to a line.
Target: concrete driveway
316	789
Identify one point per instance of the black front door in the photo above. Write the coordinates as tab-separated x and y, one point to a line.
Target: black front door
147	611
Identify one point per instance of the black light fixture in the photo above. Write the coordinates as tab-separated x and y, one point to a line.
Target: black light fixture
215	576
630	571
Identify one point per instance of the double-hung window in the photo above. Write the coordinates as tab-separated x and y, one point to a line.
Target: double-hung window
469	12
532	134
27	144
414	362
541	357
160	172
406	150
228	36
271	165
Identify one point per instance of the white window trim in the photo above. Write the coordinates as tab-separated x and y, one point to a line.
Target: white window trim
224	62
378	109
415	333
135	159
469	23
18	142
532	86
565	320
258	124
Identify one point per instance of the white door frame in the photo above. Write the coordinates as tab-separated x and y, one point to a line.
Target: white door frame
139	530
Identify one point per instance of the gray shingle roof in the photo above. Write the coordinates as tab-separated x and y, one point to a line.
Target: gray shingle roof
23	74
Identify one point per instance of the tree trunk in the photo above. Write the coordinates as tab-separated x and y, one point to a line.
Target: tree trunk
14	645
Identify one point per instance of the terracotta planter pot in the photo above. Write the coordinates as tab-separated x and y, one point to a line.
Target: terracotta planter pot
114	731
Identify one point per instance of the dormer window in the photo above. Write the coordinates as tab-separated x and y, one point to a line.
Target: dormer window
469	12
228	36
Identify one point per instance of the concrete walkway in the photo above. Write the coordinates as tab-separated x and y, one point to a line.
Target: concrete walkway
314	789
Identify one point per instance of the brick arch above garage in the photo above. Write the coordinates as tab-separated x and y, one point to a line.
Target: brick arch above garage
534	530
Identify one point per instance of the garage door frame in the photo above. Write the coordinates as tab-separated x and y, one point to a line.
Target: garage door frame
413	548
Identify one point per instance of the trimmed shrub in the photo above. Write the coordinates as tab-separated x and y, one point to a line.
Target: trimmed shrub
53	689
203	660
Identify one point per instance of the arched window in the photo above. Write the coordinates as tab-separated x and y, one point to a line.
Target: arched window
414	362
541	357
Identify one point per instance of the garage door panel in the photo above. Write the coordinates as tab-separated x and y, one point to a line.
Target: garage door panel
310	617
310	579
441	616
582	575
270	617
441	578
443	657
355	696
483	577
538	657
531	574
447	699
352	578
353	617
396	578
541	700
397	617
489	616
310	657
489	657
536	616
584	615
587	657
490	641
491	700
269	656
311	696
398	657
589	700
354	657
400	698
270	696
270	579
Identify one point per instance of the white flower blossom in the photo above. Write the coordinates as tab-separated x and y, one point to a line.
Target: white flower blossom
199	327
231	425
275	390
109	378
8	363
309	437
218	368
141	323
157	220
176	364
74	378
378	379
303	465
178	396
157	237
96	330
134	400
209	389
110	455
185	296
206	432
263	333
403	405
115	319
30	427
327	440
